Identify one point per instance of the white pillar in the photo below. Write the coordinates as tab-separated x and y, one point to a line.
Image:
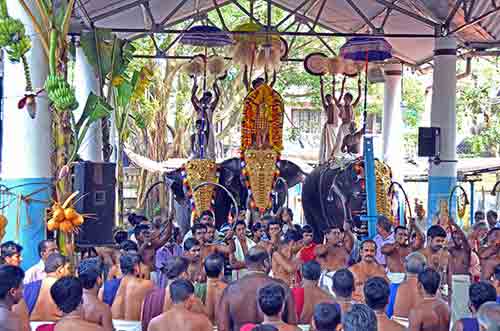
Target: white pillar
27	145
86	82
393	120
442	177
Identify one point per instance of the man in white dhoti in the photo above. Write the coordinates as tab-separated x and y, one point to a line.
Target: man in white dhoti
328	132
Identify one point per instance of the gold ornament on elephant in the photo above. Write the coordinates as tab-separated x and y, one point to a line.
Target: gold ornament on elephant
197	172
3	226
261	169
384	179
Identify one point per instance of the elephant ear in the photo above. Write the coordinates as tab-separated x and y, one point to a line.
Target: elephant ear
230	178
175	181
290	172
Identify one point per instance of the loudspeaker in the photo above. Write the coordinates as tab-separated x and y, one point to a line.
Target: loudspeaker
96	182
429	141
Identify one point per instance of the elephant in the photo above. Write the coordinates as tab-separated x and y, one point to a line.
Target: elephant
230	176
332	194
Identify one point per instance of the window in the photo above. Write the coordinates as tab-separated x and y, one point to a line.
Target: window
307	119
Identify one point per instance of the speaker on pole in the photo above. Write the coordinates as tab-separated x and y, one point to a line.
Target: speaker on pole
429	141
96	182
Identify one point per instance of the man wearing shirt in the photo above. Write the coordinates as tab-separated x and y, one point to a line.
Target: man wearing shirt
37	272
384	236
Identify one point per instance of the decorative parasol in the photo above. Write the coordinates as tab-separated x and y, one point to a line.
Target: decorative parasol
367	49
206	36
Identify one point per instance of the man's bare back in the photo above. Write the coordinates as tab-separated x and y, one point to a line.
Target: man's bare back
362	272
312	296
95	311
129	298
9	320
76	324
407	297
177	319
239	305
45	309
430	315
385	324
215	288
21	310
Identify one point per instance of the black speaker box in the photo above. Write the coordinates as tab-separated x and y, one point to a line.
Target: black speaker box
96	181
429	141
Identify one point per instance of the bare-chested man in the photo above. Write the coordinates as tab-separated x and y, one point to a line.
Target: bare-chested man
67	293
238	305
242	245
132	290
397	252
310	294
284	265
343	288
377	292
199	231
11	292
329	129
408	295
459	266
271	299
437	255
432	313
41	307
367	268
150	240
192	251
179	317
214	267
94	310
335	253
490	255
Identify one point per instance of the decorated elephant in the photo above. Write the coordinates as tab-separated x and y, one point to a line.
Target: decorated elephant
229	175
335	192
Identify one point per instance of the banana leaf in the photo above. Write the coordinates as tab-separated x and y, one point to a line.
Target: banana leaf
95	109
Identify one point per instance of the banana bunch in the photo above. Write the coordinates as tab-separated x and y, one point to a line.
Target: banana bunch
13	38
60	93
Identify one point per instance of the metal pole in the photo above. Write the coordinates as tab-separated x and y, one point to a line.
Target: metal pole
472	188
371	194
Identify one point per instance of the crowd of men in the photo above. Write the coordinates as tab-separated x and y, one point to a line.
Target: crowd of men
265	275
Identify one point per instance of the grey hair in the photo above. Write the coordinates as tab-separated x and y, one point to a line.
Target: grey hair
415	263
488	316
360	318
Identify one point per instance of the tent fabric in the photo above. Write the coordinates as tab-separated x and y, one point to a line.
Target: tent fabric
334	15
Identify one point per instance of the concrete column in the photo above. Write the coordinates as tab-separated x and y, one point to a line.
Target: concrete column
27	147
393	120
443	177
86	82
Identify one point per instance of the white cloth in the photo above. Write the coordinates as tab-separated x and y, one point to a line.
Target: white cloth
343	131
240	256
36	272
121	325
380	241
460	297
34	325
401	320
396	277
327	143
326	281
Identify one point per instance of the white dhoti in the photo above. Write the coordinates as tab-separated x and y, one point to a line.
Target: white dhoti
121	325
396	277
327	143
326	281
344	130
460	297
35	325
401	320
240	256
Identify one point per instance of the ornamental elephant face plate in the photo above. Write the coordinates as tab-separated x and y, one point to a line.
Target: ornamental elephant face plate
197	172
261	169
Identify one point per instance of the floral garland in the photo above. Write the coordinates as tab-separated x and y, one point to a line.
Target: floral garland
195	172
266	96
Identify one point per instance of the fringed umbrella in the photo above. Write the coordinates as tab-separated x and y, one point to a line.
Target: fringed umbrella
367	49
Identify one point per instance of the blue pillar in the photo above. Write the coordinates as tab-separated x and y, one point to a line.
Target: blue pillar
371	183
26	203
471	206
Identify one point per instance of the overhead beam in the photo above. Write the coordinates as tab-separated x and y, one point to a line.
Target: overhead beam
454	10
293	12
320	38
361	14
85	15
475	21
318	15
118	10
219	13
173	12
408	13
190	57
249	14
